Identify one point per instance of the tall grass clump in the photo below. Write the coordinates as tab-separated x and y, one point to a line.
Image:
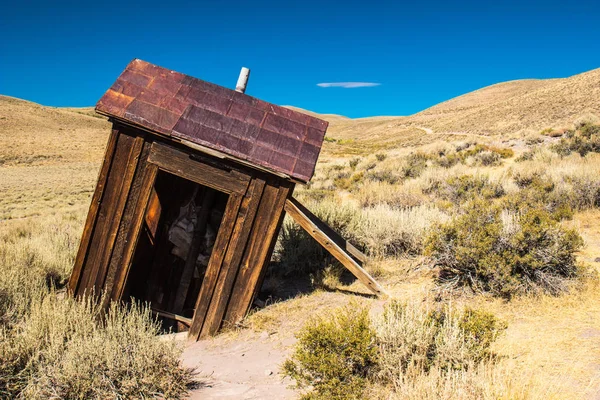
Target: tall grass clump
490	249
386	231
414	339
346	354
64	349
54	346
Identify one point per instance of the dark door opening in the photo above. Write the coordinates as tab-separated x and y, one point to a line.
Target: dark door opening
180	227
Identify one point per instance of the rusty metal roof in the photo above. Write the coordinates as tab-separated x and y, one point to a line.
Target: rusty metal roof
183	107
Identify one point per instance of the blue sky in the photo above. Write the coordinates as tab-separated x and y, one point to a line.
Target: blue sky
418	53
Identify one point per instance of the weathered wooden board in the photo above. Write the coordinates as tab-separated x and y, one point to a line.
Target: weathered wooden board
122	265
258	251
120	176
92	216
179	163
311	225
214	265
231	263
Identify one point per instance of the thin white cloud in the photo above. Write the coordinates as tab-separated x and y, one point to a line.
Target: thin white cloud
348	85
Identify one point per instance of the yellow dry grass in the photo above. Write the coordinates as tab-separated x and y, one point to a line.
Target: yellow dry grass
49	160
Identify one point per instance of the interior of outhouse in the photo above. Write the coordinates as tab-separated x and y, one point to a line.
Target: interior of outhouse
180	227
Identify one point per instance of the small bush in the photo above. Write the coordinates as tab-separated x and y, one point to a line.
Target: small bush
380	156
334	355
459	189
415	164
539	191
526	156
448	160
383	175
414	339
584	139
504	253
553	133
354	162
487	158
349	182
503	152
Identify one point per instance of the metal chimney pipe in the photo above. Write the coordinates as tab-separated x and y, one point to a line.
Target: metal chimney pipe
242	80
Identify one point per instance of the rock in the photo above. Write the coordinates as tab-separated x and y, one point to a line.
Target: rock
264	335
268	372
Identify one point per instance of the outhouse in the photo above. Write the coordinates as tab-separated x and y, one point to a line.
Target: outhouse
190	196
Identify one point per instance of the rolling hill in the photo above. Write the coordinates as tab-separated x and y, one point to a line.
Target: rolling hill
514	108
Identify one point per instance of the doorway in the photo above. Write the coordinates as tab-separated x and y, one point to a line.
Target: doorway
180	227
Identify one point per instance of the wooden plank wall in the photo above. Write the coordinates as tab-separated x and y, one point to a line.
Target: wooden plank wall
105	217
233	279
244	243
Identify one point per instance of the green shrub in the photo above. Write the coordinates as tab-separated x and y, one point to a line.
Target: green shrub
334	355
448	160
383	175
480	330
539	191
503	252
585	192
349	182
503	152
414	166
584	139
380	156
488	158
525	156
354	162
459	189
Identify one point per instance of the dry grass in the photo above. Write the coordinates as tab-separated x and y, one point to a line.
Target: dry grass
47	176
52	346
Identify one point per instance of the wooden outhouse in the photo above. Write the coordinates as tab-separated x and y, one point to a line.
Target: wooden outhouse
190	196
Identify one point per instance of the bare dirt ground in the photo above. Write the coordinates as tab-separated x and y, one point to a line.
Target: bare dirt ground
247	367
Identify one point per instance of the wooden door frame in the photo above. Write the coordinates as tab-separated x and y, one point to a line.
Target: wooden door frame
179	163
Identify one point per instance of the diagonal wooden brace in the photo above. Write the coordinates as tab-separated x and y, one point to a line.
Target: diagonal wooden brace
333	243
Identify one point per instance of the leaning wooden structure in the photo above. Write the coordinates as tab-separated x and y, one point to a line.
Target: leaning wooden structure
190	197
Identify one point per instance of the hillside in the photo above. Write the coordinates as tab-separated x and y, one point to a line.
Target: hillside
49	156
514	109
517	107
386	183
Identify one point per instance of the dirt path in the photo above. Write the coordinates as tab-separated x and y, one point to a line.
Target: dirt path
240	366
430	131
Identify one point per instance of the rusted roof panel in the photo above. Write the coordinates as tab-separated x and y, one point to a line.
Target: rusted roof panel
183	107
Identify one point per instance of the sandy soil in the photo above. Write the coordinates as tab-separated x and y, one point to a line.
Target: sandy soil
244	366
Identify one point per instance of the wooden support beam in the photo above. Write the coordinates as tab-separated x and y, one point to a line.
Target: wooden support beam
313	226
165	314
